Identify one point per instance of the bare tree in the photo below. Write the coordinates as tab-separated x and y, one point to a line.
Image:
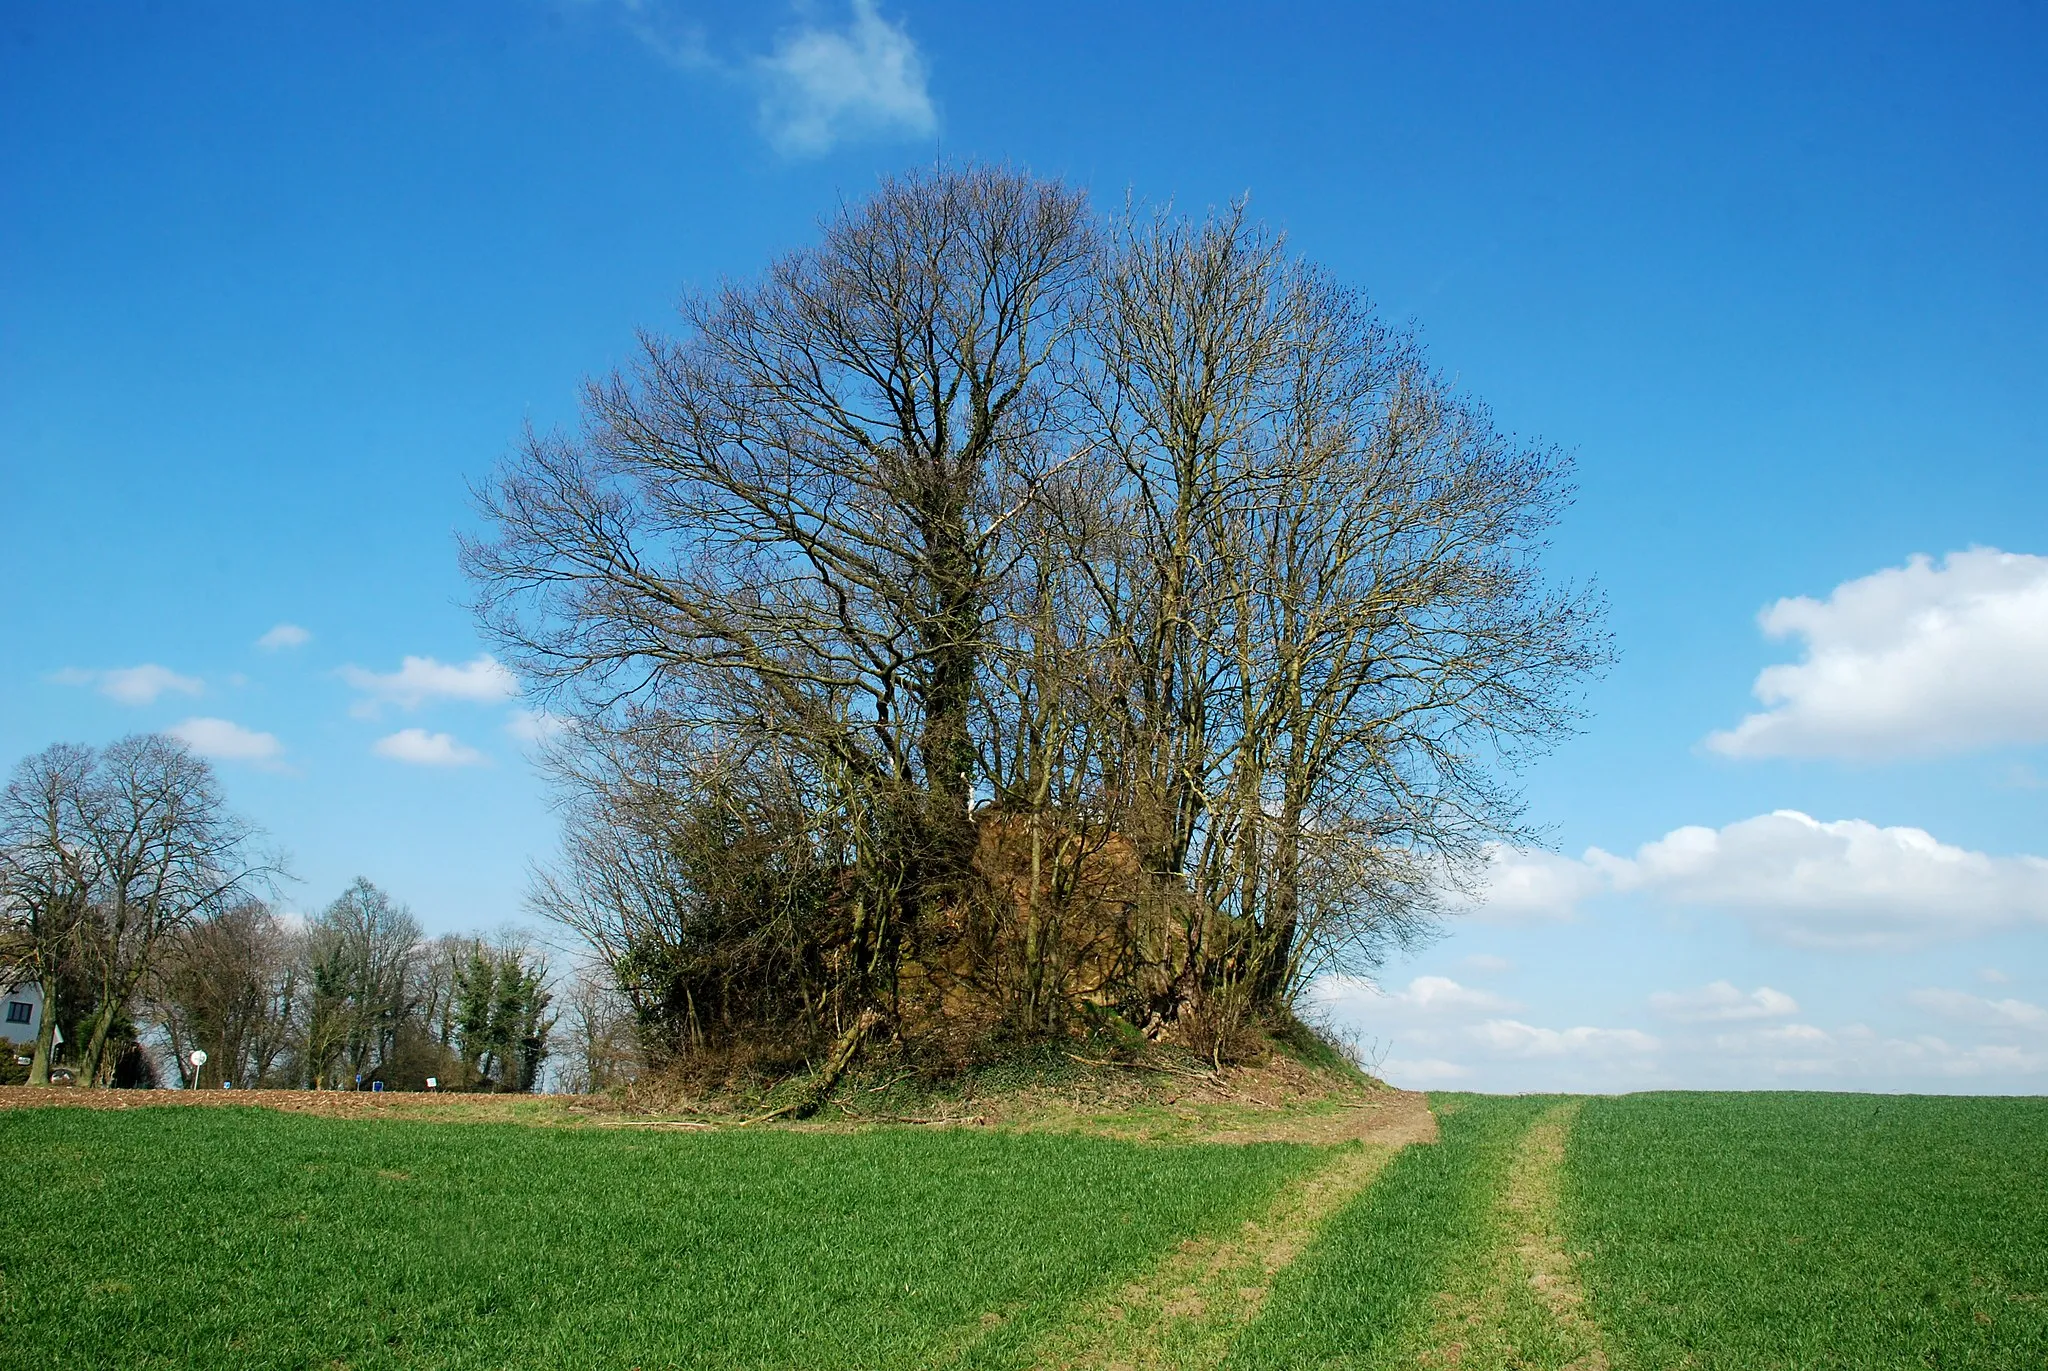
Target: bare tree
363	952
602	1048
152	834
1159	538
1333	637
48	875
233	984
789	524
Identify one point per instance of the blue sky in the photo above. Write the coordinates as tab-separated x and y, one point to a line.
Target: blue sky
279	282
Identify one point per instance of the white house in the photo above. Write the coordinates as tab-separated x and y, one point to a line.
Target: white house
21	1012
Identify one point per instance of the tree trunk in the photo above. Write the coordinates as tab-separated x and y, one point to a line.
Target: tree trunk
39	1067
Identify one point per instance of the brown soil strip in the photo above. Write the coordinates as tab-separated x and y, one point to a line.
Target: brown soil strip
1256	1105
1276	1101
1183	1314
439	1108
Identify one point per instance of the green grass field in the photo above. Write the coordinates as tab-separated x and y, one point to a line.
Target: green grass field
1706	1231
253	1239
1364	1294
1782	1230
1655	1231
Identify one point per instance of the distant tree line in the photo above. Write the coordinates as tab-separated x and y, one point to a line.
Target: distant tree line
137	903
998	616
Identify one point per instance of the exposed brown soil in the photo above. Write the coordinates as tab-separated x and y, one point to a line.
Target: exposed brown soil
1279	1100
335	1103
1164	1099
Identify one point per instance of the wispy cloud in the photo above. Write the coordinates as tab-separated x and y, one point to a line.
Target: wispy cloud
419	680
417	747
535	725
822	86
1424	995
1438	1033
132	685
1975	1009
676	40
1524	885
1721	1002
284	636
224	740
821	82
1511	1037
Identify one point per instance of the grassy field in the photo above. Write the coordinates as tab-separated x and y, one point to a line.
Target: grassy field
1784	1230
1687	1231
248	1238
1377	1288
1546	1233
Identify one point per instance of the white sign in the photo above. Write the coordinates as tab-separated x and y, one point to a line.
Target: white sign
198	1058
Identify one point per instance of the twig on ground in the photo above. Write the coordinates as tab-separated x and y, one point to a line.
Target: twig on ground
876	1090
1214	1078
653	1123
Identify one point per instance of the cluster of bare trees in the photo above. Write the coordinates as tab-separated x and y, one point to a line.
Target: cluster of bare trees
106	857
352	996
135	901
997	613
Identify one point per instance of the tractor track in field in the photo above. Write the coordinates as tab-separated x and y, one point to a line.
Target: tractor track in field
1185	1312
1517	1302
1510	1300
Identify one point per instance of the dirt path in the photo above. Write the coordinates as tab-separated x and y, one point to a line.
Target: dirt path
357	1104
1519	1303
1533	1211
1513	1302
1184	1313
1248	1109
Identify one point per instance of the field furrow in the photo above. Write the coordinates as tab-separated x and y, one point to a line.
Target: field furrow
1515	1301
1183	1314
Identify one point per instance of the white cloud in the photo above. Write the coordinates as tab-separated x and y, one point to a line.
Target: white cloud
1967	1008
1525	885
1721	1002
1840	884
417	747
1991	975
283	636
421	679
1843	883
132	685
535	725
1488	962
1782	1036
669	37
1414	1074
1425	995
226	741
1514	1038
823	85
1916	660
2020	776
1857	1052
1441	994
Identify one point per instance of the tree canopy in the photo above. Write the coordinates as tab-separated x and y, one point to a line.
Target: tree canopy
999	613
